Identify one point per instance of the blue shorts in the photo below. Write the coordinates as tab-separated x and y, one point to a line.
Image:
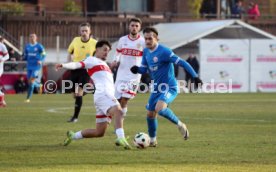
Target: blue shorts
166	97
33	73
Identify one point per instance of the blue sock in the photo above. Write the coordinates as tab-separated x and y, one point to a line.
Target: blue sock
30	91
168	114
36	84
152	126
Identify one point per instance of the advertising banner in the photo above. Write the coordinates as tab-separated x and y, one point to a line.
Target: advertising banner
263	66
224	65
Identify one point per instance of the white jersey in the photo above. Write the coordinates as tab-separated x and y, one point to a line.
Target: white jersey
129	53
101	75
3	56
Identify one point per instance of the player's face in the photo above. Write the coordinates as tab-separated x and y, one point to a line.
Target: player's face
102	52
33	38
150	40
134	28
85	32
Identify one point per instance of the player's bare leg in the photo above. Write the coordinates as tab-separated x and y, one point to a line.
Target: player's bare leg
87	133
116	112
123	102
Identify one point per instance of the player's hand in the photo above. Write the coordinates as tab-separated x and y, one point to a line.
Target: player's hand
58	67
113	64
134	69
39	62
198	81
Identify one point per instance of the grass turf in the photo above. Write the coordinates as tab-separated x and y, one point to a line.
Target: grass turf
228	132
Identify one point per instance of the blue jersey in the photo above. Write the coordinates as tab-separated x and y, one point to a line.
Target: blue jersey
33	54
159	63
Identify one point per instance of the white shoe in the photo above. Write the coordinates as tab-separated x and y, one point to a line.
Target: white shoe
73	120
184	131
153	144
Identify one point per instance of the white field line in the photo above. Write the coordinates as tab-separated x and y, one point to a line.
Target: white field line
59	110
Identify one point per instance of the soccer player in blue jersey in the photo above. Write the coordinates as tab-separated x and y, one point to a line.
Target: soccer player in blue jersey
34	54
158	60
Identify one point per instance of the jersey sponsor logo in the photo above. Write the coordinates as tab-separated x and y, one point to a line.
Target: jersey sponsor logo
153	68
31	54
97	69
83	47
131	52
155	59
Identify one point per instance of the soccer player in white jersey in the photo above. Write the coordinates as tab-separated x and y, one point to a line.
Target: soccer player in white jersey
3	57
128	53
105	102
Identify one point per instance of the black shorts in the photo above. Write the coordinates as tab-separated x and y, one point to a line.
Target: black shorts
79	76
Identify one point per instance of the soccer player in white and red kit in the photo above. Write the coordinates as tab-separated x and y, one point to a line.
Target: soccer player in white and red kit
105	102
129	52
3	57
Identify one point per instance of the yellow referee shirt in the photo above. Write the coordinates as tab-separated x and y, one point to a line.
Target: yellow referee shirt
80	49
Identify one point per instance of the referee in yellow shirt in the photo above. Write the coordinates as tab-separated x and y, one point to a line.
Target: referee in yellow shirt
80	48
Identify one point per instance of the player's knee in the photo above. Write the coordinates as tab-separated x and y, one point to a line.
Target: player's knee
79	94
162	112
123	102
100	133
151	114
158	109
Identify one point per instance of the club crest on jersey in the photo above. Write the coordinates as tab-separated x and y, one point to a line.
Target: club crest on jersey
155	59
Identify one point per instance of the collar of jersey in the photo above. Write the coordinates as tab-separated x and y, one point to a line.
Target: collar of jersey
154	48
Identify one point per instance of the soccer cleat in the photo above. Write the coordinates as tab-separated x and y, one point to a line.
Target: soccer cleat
73	120
27	101
153	144
122	142
68	140
184	131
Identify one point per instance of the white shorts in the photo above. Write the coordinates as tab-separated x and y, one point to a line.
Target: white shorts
103	104
127	89
1	68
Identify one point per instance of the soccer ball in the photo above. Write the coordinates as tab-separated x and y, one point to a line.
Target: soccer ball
141	140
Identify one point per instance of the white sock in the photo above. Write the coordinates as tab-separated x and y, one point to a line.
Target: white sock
179	124
1	93
152	139
120	133
124	111
78	135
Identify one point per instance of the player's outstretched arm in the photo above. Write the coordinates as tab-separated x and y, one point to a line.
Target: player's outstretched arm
71	65
137	69
177	60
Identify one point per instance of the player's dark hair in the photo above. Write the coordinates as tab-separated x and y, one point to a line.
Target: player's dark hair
150	29
85	24
1	38
135	19
101	43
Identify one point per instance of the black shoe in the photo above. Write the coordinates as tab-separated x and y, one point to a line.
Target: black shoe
73	120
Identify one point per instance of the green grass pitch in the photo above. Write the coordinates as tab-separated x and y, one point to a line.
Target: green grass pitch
228	132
